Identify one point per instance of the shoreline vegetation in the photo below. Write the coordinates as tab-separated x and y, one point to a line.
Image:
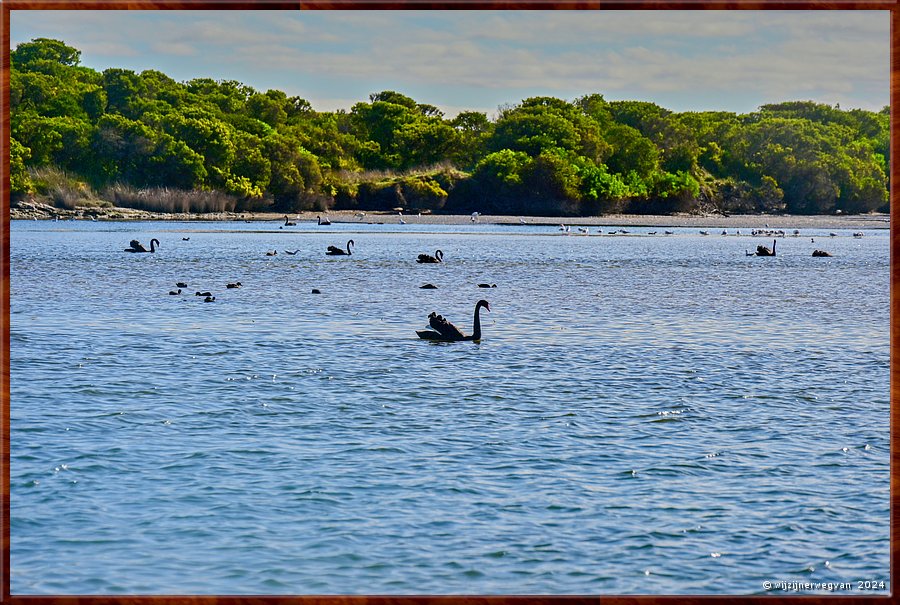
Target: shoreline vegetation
122	139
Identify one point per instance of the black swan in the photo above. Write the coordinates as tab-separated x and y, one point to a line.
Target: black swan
209	299
175	292
234	285
427	258
181	284
203	294
446	331
335	251
487	285
323	222
272	253
764	251
287	223
428	287
820	253
292	253
316	291
136	246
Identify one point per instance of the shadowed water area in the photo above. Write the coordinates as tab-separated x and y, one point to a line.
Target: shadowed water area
645	413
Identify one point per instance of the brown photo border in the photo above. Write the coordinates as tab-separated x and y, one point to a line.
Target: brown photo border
854	599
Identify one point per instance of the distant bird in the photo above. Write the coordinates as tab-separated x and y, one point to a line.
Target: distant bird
292	253
136	246
522	221
565	228
315	291
287	223
796	232
181	284
832	234
651	233
724	231
812	240
203	294
764	251
175	292
428	287
209	299
323	222
427	258
704	232
669	232
335	251
858	234
360	215
487	285
820	253
583	229
272	253
402	222
445	331
185	239
475	216
234	285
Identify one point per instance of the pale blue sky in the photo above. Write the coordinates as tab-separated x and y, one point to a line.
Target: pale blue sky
682	60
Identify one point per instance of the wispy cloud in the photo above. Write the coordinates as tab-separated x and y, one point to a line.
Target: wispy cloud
465	58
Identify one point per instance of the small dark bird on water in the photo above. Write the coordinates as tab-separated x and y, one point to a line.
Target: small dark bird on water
428	287
175	292
181	284
487	285
272	253
234	285
209	299
315	291
185	239
203	294
820	253
292	253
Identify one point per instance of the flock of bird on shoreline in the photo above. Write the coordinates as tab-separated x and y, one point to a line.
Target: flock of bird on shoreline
442	329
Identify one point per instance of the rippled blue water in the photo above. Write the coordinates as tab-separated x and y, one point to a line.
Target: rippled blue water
645	414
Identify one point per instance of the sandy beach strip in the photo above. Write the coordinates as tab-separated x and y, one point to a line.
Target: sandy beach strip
735	221
713	221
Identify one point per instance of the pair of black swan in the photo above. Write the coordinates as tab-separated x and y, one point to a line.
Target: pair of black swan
136	246
335	251
445	331
427	258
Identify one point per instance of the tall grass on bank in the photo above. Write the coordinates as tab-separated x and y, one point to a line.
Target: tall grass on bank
164	199
61	189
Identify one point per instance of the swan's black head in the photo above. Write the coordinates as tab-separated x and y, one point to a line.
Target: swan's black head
485	304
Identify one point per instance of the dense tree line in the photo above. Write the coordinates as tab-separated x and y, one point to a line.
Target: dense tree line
542	156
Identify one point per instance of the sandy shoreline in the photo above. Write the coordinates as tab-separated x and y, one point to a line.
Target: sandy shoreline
736	221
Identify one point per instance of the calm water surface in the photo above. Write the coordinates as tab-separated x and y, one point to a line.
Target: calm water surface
645	414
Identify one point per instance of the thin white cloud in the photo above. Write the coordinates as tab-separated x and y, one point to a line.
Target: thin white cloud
775	55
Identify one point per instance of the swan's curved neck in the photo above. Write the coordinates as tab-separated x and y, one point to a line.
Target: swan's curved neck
476	324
